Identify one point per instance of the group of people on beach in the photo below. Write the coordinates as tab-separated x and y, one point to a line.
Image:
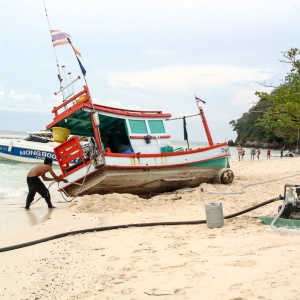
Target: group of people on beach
253	152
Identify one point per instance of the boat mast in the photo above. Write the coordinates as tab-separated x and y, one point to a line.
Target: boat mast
207	131
94	115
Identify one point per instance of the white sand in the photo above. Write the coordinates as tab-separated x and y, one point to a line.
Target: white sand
244	259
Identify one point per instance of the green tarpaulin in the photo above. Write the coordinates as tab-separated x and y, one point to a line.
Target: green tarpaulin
288	223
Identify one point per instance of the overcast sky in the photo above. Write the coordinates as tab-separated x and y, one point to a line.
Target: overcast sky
146	55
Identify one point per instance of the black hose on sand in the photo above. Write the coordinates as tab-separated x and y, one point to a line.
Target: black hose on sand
61	235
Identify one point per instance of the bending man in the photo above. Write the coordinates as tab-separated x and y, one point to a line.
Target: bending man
36	185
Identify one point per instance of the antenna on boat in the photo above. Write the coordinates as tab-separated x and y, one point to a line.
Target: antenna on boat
70	77
69	84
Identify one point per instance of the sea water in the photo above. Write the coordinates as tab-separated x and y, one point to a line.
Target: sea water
13	189
13	193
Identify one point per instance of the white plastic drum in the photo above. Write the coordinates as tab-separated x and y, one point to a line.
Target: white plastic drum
214	215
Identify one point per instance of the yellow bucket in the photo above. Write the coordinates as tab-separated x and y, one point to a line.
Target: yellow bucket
60	134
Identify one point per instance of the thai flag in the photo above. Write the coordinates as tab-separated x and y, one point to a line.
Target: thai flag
62	38
199	100
59	37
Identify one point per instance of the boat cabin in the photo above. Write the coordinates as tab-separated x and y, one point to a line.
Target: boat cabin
132	133
121	131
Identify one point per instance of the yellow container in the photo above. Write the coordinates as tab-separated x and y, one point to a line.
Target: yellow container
82	97
60	134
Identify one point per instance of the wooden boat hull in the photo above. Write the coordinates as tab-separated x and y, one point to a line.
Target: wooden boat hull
145	180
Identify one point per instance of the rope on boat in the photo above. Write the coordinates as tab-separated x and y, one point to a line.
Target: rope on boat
179	118
81	184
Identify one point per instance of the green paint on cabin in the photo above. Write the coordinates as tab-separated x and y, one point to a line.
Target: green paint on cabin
156	126
138	126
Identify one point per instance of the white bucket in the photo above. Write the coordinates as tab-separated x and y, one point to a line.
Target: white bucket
214	215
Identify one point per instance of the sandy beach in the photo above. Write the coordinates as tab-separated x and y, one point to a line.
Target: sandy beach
244	259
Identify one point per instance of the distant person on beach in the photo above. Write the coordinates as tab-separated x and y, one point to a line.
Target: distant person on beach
252	153
36	185
281	151
258	153
268	153
240	151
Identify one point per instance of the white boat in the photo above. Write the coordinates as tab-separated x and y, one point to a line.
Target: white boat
36	146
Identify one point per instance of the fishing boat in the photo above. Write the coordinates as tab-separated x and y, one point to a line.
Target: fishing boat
35	146
129	151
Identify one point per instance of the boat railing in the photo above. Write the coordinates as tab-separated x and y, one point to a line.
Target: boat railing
83	96
69	151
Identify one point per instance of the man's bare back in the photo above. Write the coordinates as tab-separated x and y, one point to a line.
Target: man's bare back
41	170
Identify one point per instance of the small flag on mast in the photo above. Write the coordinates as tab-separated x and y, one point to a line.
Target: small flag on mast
81	67
74	49
79	62
199	100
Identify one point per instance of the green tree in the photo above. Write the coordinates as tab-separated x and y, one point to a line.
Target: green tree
276	116
281	116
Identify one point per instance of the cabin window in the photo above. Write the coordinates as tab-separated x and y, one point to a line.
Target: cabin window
156	126
138	126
